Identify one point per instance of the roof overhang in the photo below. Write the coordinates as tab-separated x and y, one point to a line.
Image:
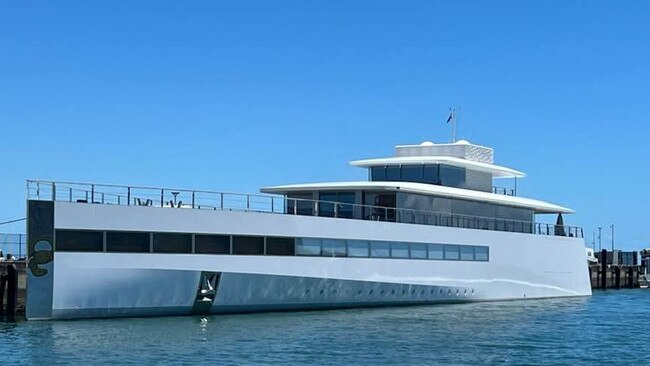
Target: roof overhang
539	207
496	170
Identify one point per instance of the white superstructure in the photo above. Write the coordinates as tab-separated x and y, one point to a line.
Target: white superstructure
427	227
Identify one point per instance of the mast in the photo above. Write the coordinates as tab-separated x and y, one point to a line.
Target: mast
453	118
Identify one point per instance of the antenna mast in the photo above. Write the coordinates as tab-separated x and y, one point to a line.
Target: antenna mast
453	116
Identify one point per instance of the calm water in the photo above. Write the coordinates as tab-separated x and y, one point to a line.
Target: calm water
612	327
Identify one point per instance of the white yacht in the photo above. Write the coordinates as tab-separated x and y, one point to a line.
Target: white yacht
427	227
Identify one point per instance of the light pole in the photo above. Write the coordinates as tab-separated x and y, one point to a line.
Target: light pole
612	227
600	237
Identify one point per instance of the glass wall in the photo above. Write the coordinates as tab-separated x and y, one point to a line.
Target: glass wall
439	174
481	214
302	204
343	210
379	199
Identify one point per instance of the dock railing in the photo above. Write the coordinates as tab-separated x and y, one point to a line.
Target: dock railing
14	244
210	200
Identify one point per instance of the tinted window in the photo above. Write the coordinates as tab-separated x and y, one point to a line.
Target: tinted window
333	248
466	253
392	173
452	176
430	174
379	249
326	208
436	251
357	248
280	246
212	244
79	241
378	173
412	173
172	243
346	209
302	204
452	252
308	246
121	241
481	253
247	245
418	250
399	250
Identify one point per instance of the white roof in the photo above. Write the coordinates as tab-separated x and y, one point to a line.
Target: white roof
427	189
496	170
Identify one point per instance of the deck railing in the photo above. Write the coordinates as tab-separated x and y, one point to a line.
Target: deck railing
209	200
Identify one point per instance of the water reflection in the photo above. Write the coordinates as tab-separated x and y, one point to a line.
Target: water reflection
537	332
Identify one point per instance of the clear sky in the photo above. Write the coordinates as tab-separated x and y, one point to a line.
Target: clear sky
241	94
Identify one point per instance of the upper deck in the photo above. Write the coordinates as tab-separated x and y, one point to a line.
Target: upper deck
170	198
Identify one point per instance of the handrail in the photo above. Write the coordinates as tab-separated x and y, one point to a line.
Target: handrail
203	199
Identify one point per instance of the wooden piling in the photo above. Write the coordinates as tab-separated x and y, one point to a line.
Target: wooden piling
603	270
12	289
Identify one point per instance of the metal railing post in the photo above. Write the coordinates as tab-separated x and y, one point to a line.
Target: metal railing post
128	196
92	193
53	191
70	194
248	202
192	199
272	200
221	204
162	197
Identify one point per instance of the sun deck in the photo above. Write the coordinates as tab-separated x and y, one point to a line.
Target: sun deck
89	193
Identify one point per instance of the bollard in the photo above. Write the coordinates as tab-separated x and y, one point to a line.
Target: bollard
603	269
3	283
12	289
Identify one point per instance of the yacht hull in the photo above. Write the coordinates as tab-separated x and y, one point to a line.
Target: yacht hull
102	284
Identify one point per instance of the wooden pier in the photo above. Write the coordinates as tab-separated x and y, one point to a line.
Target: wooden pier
13	284
614	276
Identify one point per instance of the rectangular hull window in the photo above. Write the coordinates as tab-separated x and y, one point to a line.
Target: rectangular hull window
436	251
357	248
419	251
79	241
379	249
466	253
452	252
120	241
212	244
481	254
280	246
248	245
172	243
399	250
333	248
308	246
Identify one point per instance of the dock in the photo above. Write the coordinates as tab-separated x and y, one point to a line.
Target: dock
13	284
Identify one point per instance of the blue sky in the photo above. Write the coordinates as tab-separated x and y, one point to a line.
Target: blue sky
237	95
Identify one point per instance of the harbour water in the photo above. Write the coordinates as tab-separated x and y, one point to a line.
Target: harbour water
610	328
